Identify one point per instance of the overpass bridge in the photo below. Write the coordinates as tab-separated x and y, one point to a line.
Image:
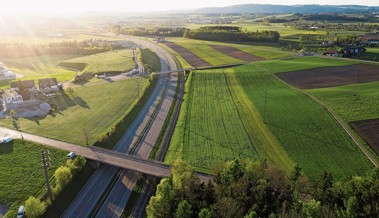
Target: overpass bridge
123	160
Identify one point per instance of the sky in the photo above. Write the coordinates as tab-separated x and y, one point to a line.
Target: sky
59	6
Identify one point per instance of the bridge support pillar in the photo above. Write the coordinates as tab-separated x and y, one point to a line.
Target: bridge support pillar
94	164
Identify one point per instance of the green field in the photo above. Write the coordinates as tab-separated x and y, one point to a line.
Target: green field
352	102
212	128
307	132
94	108
117	61
223	112
371	53
38	67
22	171
214	57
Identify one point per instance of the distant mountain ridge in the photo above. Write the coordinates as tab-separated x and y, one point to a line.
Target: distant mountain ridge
268	8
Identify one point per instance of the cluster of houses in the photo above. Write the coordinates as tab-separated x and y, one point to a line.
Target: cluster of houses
356	50
21	91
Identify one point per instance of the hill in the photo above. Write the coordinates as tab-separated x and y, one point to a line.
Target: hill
268	8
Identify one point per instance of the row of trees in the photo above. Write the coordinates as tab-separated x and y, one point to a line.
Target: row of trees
259	189
149	31
20	50
365	27
226	35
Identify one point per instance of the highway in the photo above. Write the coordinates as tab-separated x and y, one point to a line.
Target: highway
117	198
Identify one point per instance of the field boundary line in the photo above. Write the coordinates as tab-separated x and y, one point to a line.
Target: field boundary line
334	115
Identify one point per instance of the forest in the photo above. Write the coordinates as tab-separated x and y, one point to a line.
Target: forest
260	189
230	33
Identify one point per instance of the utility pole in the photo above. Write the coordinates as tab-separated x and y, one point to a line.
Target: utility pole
46	175
265	107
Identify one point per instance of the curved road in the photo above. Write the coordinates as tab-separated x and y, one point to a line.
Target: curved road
117	198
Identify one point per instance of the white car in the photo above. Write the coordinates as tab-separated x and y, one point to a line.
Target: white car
71	155
6	140
20	212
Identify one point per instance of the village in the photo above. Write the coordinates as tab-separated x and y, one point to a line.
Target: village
28	99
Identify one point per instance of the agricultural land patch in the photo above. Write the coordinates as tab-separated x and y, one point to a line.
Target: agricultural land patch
189	56
369	131
236	53
331	76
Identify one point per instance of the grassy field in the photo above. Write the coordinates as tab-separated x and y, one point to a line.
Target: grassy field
203	50
95	109
361	106
371	53
212	128
116	61
22	172
38	67
210	131
307	132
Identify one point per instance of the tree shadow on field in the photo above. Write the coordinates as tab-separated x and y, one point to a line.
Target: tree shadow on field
79	101
65	101
311	137
6	148
35	119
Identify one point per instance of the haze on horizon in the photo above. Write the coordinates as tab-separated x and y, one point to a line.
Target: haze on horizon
17	6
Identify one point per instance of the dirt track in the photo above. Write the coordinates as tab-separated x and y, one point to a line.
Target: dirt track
190	57
331	76
369	131
236	53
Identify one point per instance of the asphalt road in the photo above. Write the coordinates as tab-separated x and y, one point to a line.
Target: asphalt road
118	197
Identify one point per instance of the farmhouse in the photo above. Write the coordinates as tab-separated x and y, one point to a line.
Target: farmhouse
351	52
27	85
332	53
373	41
12	97
159	39
48	85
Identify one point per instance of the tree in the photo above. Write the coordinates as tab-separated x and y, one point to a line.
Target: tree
34	207
183	178
311	208
63	176
184	210
12	113
205	213
252	214
54	108
160	205
70	90
295	174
